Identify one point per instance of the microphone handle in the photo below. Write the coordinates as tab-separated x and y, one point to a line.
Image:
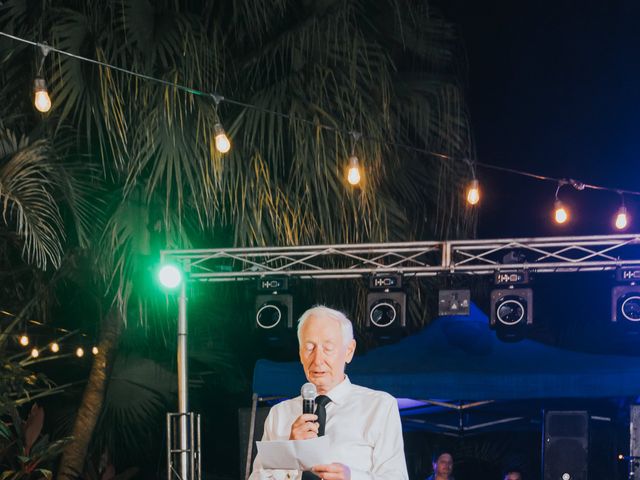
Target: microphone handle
308	406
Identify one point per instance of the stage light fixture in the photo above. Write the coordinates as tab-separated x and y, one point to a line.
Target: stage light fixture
625	299
625	304
170	276
454	302
511	312
386	307
274	309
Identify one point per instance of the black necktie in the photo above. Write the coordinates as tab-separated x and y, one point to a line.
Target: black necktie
321	412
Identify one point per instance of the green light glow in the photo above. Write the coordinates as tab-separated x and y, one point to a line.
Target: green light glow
170	276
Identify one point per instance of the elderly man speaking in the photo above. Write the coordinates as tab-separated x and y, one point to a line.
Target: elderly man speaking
363	425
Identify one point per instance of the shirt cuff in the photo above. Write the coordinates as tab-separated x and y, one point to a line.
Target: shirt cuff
269	474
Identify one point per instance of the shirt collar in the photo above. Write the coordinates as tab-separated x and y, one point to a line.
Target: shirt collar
340	392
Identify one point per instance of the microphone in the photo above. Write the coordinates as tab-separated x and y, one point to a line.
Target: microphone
309	393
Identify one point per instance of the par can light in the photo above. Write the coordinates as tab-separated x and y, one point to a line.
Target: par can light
269	315
625	304
511	312
383	313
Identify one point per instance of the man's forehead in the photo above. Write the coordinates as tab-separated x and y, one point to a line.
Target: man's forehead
321	325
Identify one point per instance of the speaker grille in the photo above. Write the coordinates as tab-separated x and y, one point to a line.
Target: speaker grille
566	445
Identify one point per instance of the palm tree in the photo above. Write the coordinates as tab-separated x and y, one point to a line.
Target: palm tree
303	76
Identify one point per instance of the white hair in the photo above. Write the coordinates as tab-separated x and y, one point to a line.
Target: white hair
321	311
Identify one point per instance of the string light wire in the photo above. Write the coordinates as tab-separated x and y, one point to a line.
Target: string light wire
219	98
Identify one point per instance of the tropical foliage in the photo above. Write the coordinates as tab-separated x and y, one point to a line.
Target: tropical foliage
299	78
24	452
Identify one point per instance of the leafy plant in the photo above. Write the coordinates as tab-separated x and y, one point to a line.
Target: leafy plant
24	452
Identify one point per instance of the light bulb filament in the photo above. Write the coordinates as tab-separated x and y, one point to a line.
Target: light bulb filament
41	98
353	174
622	220
473	193
223	144
561	213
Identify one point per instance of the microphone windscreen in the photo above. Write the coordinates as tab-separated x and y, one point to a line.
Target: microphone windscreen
308	391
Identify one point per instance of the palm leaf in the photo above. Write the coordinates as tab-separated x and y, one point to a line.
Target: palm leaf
28	205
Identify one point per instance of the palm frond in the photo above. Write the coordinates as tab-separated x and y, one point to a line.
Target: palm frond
28	204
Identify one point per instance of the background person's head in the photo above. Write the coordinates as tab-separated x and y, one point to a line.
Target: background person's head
513	475
442	464
326	343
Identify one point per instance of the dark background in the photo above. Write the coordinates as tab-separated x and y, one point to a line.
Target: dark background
552	89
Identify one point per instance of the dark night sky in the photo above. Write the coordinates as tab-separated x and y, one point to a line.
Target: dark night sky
553	89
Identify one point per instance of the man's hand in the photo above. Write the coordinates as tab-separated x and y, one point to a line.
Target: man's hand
304	427
332	471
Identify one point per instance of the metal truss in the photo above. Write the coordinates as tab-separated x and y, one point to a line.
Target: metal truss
483	257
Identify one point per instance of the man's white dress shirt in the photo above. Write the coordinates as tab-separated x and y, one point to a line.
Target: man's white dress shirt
364	429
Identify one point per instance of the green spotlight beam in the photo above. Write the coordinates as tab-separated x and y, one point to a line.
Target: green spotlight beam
170	276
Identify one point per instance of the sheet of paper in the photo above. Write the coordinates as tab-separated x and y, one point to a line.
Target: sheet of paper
294	454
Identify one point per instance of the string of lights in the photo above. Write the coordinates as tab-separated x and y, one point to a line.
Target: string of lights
58	347
42	103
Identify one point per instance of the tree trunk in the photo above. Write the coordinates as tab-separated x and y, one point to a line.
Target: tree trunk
73	456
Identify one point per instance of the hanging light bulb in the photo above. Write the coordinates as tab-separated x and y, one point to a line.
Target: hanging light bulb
24	340
223	145
79	352
353	174
561	214
35	353
41	98
94	350
473	192
622	219
54	347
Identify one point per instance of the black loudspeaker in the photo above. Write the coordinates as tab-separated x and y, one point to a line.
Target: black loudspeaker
565	453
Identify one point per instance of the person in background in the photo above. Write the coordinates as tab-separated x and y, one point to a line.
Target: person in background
442	466
513	474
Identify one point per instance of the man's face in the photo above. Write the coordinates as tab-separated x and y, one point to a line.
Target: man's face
444	465
513	476
323	353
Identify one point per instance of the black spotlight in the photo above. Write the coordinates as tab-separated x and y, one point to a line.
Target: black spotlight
625	304
386	307
511	312
274	310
